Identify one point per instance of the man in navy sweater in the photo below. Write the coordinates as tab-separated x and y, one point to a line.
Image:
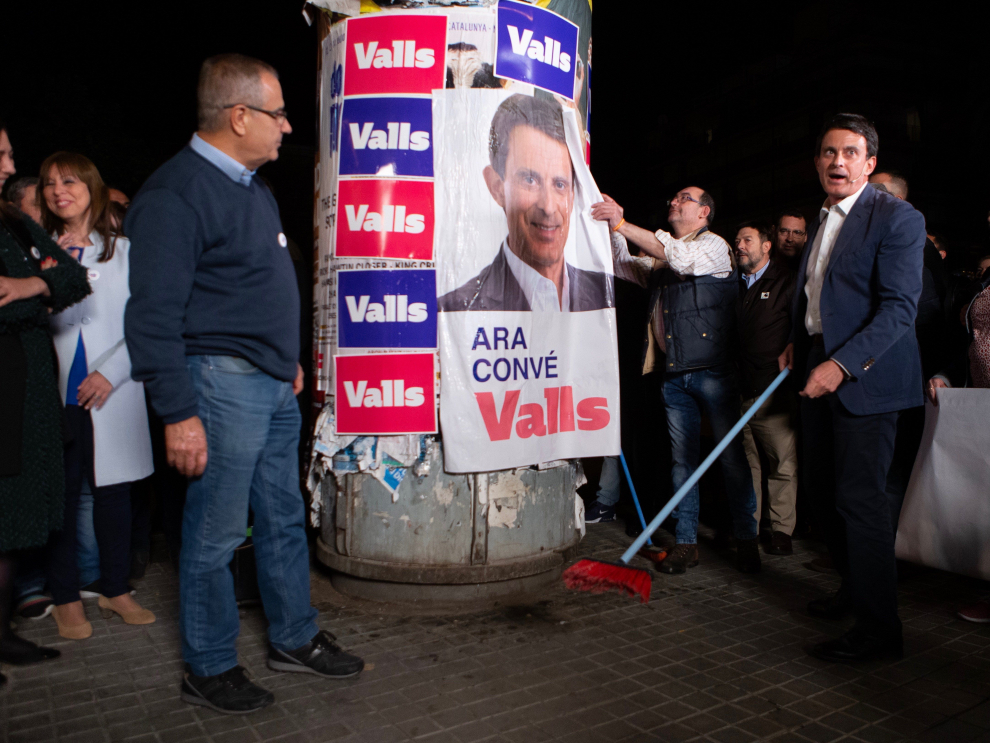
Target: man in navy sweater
212	327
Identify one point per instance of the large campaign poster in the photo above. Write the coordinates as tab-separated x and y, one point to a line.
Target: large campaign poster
528	360
463	286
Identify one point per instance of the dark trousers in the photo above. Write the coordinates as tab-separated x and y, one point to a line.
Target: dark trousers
910	430
847	459
111	519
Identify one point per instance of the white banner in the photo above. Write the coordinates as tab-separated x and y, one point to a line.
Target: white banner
528	359
945	520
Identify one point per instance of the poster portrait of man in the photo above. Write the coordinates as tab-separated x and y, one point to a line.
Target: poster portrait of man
531	177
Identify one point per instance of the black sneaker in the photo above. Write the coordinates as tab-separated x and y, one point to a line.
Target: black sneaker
229	693
35	606
599	514
321	656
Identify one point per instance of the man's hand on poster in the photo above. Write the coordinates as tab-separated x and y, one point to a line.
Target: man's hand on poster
608	211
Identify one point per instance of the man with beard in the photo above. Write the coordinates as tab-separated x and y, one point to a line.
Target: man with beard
764	327
792	236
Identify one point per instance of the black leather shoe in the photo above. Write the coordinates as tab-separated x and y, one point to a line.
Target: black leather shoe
857	647
682	557
321	656
835	606
229	693
780	544
748	556
20	652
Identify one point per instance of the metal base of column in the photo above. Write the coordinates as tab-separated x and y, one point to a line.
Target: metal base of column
441	586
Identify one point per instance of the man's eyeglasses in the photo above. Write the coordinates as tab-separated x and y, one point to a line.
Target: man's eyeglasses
279	114
784	232
680	199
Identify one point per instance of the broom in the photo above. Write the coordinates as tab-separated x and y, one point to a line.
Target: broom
651	553
598	577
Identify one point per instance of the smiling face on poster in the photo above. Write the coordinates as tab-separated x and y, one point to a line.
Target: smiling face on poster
529	371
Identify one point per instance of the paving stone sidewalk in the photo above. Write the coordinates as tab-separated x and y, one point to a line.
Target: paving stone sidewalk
714	656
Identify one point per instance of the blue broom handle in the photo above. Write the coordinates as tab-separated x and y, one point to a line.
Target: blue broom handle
679	495
632	489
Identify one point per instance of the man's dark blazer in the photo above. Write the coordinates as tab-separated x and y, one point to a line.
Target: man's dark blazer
868	305
495	288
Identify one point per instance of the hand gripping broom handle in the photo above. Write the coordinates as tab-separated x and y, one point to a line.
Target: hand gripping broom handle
679	495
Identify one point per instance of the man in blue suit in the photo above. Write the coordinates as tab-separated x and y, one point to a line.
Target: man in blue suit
855	352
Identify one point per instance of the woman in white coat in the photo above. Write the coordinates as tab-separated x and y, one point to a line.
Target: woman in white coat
110	445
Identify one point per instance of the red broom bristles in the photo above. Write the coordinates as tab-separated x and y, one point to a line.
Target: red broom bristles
599	577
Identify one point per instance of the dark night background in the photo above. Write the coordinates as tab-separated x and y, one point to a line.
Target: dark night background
683	94
730	100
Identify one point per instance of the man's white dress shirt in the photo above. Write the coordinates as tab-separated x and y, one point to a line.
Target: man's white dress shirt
833	217
540	292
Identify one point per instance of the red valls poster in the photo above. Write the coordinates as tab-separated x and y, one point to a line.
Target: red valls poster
385	218
389	54
385	394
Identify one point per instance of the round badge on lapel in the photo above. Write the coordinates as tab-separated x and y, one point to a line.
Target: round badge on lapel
35	253
93	274
282	241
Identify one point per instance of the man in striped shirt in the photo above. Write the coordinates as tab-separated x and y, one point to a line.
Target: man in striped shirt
691	338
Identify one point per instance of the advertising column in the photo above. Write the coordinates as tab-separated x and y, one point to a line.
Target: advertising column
385	300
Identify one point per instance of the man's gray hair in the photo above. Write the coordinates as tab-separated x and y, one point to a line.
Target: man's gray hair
228	79
16	189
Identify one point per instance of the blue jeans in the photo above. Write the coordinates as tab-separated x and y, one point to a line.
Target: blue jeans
87	550
715	391
252	423
608	483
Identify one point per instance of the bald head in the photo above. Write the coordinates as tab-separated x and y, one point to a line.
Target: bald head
895	183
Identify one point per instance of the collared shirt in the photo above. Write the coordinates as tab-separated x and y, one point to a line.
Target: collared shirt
228	165
540	292
700	253
833	217
752	278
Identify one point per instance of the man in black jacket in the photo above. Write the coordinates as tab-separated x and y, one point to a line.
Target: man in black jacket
764	325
